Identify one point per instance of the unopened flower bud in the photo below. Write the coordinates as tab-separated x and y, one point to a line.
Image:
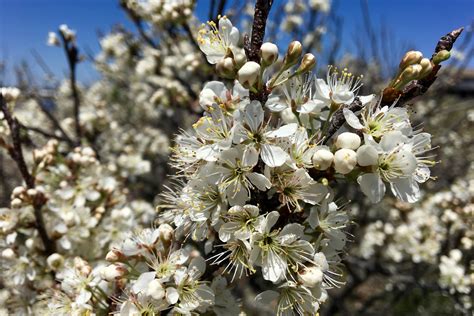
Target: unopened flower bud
367	156
292	54
322	159
52	39
30	243
113	272
307	63
8	253
55	261
16	203
166	232
441	56
225	67
310	276
249	73
426	67
10	94
114	255
410	73
155	290
18	191
348	140
269	52
345	160
412	57
32	192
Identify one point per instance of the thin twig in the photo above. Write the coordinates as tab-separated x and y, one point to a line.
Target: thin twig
411	91
16	153
72	55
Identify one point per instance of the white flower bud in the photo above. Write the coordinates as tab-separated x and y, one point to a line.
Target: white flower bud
249	74
307	63
412	57
8	253
16	203
18	191
345	160
87	151
155	290
10	94
367	155
32	192
113	272
348	140
114	255
411	72
292	54
426	67
166	232
52	39
322	159
310	276
225	67
55	261
269	53
30	243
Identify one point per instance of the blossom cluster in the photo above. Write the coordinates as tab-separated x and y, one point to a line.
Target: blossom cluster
257	201
421	233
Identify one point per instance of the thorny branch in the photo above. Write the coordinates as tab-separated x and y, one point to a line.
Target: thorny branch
16	153
411	91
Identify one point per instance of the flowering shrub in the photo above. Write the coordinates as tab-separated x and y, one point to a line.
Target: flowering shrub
257	197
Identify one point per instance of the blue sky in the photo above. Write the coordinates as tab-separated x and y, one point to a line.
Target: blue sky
24	24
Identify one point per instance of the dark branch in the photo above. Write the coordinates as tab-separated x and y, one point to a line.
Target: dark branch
411	91
16	153
137	21
252	46
72	55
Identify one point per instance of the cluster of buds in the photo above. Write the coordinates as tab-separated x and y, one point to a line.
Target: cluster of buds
21	196
47	153
291	58
10	94
414	66
83	156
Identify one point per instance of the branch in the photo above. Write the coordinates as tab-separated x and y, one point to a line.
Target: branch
16	153
411	91
72	55
137	21
252	47
55	122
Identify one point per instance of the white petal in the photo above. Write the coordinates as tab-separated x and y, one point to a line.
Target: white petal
283	131
267	297
322	89
392	139
372	186
352	119
250	157
273	267
172	295
253	115
364	99
141	284
312	106
406	189
273	156
260	181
